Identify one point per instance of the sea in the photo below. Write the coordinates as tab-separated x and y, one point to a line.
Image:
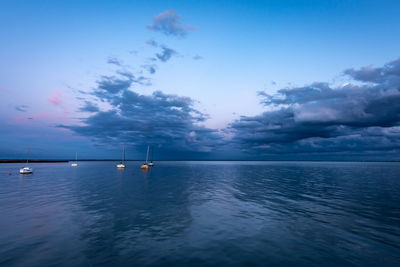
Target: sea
201	213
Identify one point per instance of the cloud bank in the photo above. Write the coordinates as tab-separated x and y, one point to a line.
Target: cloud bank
359	117
167	121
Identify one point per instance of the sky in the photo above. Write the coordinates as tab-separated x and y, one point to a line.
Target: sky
200	80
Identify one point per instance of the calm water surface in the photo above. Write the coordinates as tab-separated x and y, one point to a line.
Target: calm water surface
201	213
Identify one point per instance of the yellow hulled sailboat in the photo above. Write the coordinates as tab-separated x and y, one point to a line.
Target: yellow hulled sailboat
145	166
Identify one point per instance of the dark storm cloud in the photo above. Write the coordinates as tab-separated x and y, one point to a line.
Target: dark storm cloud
319	118
165	54
165	120
168	23
22	108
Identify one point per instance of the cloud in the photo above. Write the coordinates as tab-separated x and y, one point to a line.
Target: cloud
151	68
114	84
151	42
167	121
4	89
55	99
165	54
388	75
168	23
197	57
318	118
22	108
89	107
114	60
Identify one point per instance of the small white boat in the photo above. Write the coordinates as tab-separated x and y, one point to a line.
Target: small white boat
151	164
75	164
122	164
26	170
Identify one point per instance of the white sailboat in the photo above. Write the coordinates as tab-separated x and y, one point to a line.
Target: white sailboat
26	169
122	164
76	160
151	164
145	166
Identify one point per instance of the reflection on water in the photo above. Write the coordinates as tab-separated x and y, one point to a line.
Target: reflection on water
201	213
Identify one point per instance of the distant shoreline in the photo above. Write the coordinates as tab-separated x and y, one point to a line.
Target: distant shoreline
31	161
65	161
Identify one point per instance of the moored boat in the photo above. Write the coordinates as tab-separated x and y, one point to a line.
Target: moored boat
121	165
26	169
145	166
75	164
151	164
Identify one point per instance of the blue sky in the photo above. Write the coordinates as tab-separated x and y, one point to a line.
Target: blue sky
57	55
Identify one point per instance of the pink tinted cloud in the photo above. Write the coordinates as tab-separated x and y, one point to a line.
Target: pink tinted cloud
42	117
56	98
4	89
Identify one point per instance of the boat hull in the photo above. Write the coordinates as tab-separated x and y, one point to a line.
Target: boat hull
144	167
25	171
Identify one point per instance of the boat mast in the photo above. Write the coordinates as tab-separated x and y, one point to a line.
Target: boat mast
147	155
27	155
123	153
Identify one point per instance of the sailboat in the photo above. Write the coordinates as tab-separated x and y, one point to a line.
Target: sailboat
122	164
145	166
76	160
26	169
151	164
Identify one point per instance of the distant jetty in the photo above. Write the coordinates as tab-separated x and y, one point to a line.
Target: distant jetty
30	161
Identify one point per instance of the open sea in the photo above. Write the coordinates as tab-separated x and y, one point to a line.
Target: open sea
201	214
